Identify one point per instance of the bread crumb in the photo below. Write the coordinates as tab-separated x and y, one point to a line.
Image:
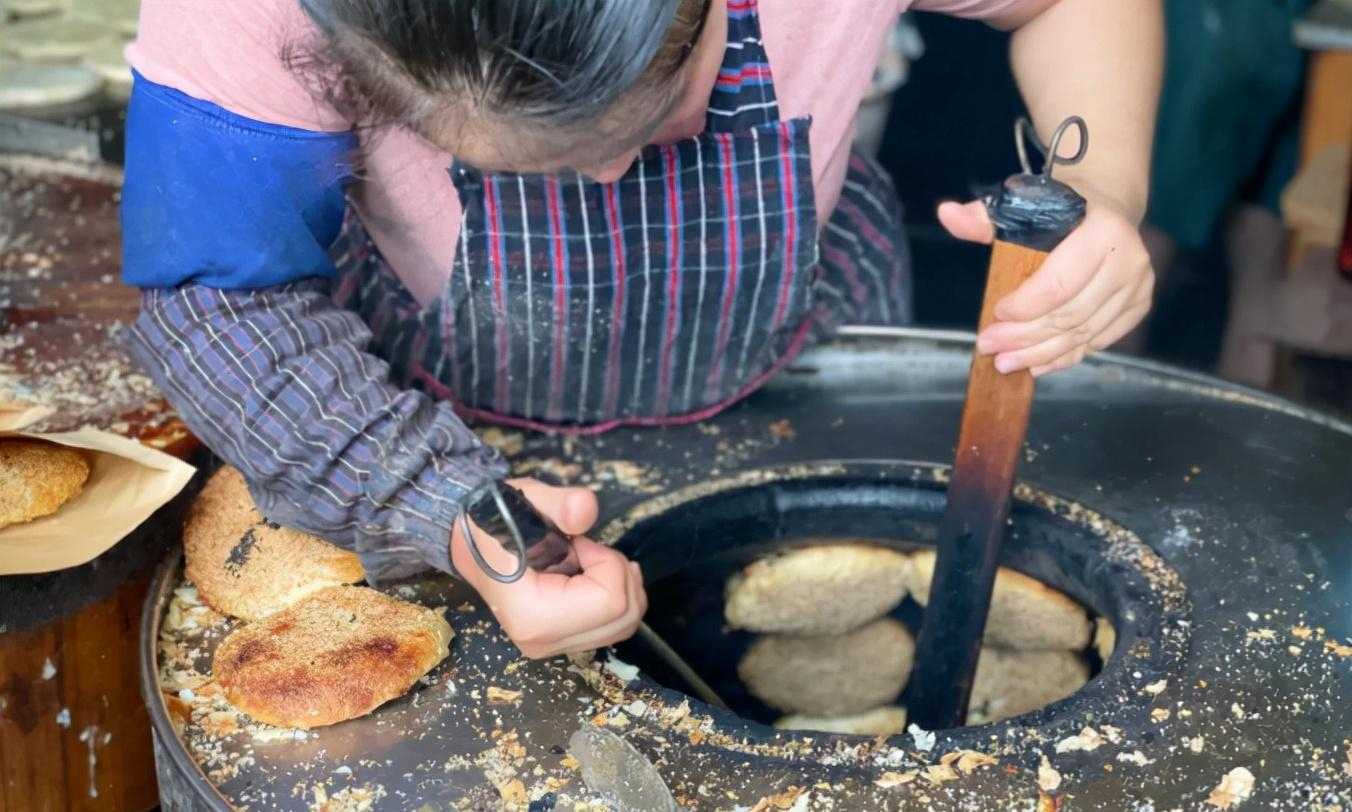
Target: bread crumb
780	800
627	474
890	779
510	443
1048	779
513	792
1087	740
967	760
1234	788
940	773
502	696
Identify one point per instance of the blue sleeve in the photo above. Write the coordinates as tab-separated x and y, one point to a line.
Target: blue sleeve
224	201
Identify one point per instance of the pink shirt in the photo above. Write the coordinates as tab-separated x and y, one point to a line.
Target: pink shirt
230	53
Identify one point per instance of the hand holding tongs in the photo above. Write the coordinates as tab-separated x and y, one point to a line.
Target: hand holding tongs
541	546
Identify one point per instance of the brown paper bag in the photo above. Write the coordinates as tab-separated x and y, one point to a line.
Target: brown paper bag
127	482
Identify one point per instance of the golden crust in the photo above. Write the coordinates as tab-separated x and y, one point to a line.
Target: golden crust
250	568
337	654
1008	683
1026	614
885	721
823	589
830	675
1105	638
37	478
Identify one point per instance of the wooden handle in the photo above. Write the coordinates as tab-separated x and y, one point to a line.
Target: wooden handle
994	423
995	415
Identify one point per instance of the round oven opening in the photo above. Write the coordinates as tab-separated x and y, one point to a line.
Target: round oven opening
849	672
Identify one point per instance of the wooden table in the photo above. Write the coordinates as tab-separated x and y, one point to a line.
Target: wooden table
74	733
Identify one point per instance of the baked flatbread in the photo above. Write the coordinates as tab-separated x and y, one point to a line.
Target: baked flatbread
24	85
55	38
37	478
1105	638
886	721
338	654
247	567
1026	614
830	675
1008	683
822	589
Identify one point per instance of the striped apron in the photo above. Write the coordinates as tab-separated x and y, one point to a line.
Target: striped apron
660	298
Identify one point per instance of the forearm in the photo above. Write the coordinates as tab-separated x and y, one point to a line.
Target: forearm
277	382
1101	61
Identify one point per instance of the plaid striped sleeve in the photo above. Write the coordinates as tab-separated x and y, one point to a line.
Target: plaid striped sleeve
278	383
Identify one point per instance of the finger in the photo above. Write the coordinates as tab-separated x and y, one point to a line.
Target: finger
574	510
967	221
591	554
1134	315
1127	317
1037	356
594	598
642	591
604	634
1124	324
604	579
1106	282
1065	272
1061	342
1066	361
622	628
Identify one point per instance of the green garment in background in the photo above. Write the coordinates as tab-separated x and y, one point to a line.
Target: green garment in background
1227	125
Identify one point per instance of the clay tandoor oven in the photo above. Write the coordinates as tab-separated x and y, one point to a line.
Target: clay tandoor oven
1211	524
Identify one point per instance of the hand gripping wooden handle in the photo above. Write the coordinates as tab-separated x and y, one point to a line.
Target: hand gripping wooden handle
1031	213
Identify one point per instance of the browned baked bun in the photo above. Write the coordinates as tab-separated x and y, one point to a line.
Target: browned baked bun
37	478
1026	614
1008	683
337	654
888	720
822	589
1105	638
249	568
830	675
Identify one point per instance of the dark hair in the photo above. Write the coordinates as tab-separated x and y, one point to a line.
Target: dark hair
552	62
